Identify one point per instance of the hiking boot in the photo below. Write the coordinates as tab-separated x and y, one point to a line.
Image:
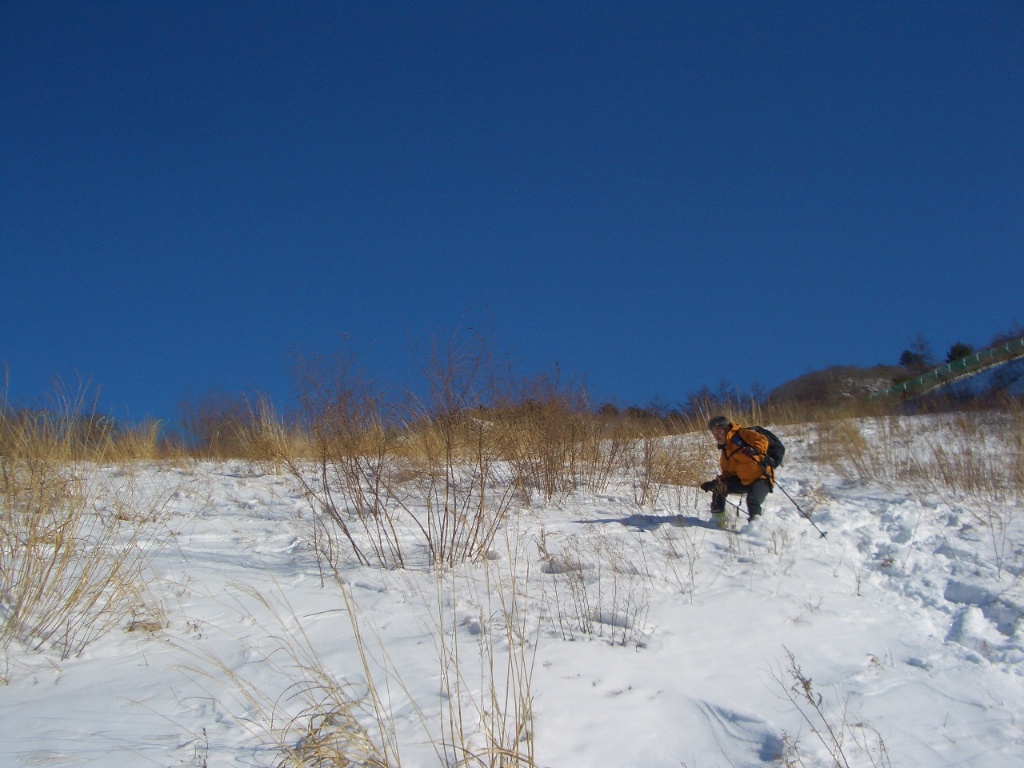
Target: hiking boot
720	520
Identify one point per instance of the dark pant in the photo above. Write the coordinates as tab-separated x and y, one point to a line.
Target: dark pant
756	493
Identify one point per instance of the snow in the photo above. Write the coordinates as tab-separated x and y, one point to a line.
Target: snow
631	636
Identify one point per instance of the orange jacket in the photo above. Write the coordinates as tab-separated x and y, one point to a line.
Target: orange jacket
735	463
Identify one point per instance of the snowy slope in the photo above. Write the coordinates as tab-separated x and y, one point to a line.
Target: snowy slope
650	638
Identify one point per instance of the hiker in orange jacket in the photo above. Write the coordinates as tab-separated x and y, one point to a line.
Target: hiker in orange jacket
745	468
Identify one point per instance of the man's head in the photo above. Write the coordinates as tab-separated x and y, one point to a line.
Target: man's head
719	427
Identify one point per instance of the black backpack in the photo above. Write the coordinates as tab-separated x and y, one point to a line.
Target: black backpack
776	449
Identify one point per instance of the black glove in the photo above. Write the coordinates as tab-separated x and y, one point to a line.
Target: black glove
767	463
750	452
709	485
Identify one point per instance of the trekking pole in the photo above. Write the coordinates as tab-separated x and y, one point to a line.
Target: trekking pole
798	509
764	469
735	506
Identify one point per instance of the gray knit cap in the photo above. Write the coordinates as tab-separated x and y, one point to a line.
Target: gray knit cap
719	421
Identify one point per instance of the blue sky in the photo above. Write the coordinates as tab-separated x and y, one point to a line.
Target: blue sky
653	196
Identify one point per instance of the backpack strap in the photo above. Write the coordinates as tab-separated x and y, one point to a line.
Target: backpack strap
741	443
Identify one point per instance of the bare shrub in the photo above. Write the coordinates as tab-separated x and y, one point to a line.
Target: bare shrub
830	725
429	469
352	470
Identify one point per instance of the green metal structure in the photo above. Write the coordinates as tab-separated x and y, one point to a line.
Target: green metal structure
958	369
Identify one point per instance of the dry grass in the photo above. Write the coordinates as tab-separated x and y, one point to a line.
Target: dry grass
553	446
488	723
973	457
71	568
317	719
452	472
67	431
593	592
971	454
683	462
370	484
846	740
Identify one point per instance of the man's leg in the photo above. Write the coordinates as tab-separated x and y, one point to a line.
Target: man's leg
757	492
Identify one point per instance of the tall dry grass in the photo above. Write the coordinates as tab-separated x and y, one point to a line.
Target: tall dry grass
553	442
71	568
969	454
224	426
486	665
68	428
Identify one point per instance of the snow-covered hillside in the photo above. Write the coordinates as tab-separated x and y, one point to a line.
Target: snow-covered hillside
599	633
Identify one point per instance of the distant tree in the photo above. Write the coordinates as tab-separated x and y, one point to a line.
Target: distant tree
911	359
918	356
639	413
959	351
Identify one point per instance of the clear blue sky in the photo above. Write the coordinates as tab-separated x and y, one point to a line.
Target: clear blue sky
657	196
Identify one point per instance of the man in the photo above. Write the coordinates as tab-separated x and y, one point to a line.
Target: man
746	468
